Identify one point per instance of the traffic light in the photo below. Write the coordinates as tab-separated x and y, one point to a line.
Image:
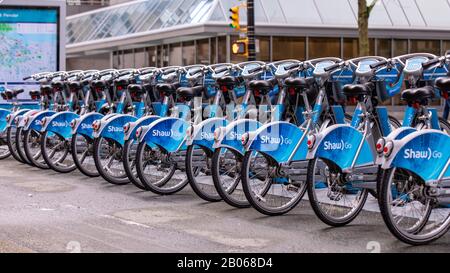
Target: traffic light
239	47
235	18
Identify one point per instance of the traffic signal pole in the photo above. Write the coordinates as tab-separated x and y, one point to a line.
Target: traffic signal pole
251	30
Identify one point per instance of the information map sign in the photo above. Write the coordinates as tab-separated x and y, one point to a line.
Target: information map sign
29	42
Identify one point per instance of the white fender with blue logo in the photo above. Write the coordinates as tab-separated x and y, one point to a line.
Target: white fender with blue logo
169	133
135	125
59	123
397	134
339	144
425	153
203	134
34	121
278	140
83	124
231	135
16	114
111	127
3	122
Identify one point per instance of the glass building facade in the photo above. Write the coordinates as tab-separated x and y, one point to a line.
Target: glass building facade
183	32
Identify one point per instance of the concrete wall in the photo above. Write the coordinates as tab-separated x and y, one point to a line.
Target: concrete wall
100	61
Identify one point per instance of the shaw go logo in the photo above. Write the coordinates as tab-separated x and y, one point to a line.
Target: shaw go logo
328	145
276	140
427	154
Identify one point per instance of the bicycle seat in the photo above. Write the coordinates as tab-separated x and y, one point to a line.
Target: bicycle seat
262	86
135	88
188	93
299	83
418	94
8	95
46	90
99	83
227	81
121	82
166	88
74	85
34	94
443	84
353	90
3	95
58	84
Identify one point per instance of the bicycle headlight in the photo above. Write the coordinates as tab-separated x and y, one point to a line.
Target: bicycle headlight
43	121
17	120
218	134
311	141
26	119
126	127
245	138
96	125
138	132
388	147
8	117
73	123
380	145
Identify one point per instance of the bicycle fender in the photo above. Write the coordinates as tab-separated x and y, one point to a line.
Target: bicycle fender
398	133
231	135
203	133
168	133
112	127
59	123
339	144
130	133
34	121
278	140
425	153
83	124
3	122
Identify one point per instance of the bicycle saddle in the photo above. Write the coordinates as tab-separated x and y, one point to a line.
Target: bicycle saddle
262	86
136	89
188	93
121	82
353	90
34	94
58	85
74	85
418	94
46	90
167	88
443	84
227	81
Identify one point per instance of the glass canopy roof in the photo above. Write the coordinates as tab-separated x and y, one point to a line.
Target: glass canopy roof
156	15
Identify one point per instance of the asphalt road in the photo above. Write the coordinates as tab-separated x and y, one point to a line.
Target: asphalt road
43	211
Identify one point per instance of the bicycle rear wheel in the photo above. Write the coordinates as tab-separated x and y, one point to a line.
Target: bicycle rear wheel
82	148
411	215
268	193
129	163
4	150
32	148
56	152
108	160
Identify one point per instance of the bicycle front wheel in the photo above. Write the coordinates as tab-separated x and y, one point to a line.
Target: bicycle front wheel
108	160
409	212
32	148
268	193
56	152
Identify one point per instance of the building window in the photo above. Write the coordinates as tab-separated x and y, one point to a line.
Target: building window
175	54
351	48
128	59
288	48
324	47
188	53
445	46
400	47
140	58
222	49
263	49
152	56
203	52
429	46
384	48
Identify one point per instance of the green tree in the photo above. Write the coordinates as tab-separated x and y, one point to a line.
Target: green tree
364	11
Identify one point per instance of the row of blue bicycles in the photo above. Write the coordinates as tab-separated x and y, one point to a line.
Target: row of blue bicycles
254	134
